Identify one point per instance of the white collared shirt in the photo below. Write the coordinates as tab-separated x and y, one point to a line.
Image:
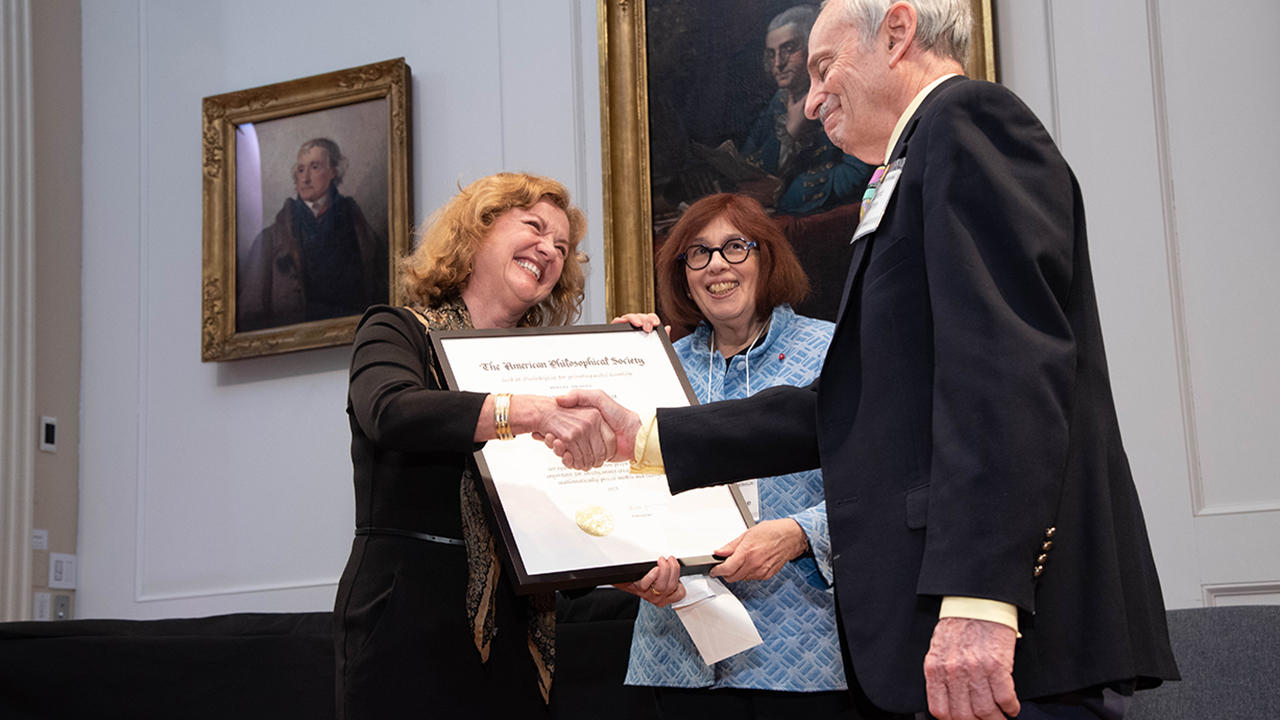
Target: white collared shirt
911	110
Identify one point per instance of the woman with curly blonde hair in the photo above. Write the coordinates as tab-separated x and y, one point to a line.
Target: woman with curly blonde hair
423	596
442	263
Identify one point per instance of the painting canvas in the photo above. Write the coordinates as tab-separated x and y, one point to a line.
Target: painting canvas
306	210
311	213
705	96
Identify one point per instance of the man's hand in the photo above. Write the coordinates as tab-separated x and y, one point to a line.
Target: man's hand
969	670
760	552
622	422
578	435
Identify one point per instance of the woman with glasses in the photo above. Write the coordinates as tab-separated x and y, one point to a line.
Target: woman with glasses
727	274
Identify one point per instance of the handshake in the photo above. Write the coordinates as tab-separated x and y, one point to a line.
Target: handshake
586	428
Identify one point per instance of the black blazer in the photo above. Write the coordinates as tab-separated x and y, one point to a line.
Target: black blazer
963	416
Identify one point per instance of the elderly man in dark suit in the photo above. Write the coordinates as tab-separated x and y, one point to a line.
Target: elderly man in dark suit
990	552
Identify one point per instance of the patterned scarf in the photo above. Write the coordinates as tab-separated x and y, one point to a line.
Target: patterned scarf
482	556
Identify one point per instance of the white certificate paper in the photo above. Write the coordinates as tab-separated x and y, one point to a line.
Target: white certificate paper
568	528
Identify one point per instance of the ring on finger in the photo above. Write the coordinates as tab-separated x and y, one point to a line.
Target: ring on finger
654	590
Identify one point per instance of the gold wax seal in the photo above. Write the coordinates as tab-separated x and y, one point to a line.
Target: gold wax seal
594	520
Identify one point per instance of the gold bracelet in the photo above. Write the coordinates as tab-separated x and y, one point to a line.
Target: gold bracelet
502	416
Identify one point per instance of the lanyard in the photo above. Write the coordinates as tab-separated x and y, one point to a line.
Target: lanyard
711	356
749	488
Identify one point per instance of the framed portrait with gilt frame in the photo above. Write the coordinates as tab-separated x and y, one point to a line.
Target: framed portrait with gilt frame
695	96
306	189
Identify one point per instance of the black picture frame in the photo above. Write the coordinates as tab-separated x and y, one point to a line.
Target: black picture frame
524	580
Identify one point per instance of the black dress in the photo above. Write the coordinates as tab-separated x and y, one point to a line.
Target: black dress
404	645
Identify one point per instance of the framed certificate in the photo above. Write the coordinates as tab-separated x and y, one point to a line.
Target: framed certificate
566	528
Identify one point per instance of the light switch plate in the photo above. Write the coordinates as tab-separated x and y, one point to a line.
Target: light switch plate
41	606
62	571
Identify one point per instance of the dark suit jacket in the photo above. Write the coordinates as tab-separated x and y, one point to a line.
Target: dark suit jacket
271	287
964	409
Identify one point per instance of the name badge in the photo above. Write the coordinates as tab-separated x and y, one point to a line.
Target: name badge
750	490
875	212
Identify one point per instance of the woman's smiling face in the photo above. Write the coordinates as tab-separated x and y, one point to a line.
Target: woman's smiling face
519	262
725	292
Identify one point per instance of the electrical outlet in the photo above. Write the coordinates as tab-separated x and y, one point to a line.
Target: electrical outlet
61	607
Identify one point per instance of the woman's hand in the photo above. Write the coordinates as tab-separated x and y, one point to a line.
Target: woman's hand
623	423
660	586
578	435
644	321
759	553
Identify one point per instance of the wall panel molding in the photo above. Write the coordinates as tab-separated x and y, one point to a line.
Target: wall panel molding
17	311
1177	299
236	589
143	384
1260	506
1055	115
1259	593
150	585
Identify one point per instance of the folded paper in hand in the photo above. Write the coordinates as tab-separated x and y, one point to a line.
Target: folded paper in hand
715	619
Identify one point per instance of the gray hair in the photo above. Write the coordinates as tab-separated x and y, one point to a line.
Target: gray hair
802	16
337	160
943	27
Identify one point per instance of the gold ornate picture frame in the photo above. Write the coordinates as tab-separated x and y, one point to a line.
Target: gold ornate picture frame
306	209
624	43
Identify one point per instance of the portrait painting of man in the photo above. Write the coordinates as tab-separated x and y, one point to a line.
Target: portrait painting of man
306	195
320	251
727	85
814	174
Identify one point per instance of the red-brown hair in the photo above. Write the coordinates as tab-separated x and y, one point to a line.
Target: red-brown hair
442	262
782	279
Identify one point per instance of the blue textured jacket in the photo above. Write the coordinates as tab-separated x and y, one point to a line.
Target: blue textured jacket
793	610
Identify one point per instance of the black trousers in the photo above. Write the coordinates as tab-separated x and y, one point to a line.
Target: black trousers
1101	703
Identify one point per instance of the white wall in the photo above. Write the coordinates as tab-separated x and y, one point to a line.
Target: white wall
210	488
1162	107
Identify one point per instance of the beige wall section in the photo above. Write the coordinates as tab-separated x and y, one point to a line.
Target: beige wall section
55	30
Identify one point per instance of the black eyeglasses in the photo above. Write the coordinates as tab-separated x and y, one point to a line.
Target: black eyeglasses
733	251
